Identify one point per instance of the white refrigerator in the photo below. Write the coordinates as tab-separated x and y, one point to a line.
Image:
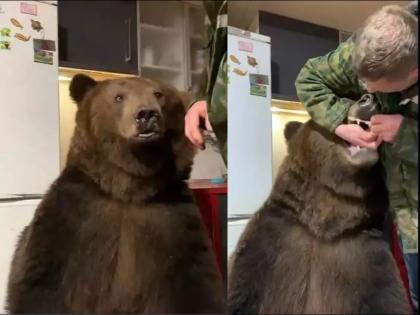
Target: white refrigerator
249	127
29	117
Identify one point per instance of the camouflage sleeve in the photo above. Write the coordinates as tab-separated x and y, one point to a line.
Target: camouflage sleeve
323	81
405	145
217	107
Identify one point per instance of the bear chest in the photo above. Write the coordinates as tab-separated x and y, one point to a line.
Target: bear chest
121	255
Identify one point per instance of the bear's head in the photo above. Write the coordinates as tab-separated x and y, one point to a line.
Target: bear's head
135	125
322	154
332	188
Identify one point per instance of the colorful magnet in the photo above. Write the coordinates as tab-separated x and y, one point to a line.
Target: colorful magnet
16	23
36	25
258	78
4	45
234	59
28	8
5	32
22	37
252	61
245	46
44	44
43	56
258	90
240	72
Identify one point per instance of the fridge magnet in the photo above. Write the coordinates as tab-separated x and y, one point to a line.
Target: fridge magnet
44	44
36	25
5	32
4	45
22	37
43	56
234	59
252	61
245	46
240	72
1	10
258	84
16	23
258	90
258	78
28	8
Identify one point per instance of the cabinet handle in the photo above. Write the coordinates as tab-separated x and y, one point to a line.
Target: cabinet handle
128	54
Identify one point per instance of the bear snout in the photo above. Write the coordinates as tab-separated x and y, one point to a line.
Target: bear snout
148	123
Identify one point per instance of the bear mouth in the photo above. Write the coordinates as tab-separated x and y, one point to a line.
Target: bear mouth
148	135
362	157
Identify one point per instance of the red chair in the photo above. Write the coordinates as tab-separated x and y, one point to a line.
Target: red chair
211	199
399	259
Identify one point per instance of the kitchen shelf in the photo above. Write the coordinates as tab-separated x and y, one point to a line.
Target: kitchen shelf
196	72
197	36
162	68
160	29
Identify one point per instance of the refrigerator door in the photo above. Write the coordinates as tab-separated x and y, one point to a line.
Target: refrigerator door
29	120
249	121
235	230
14	216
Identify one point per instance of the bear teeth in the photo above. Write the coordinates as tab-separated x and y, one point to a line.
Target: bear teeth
353	149
146	135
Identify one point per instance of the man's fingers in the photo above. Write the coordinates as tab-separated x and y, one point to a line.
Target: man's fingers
376	119
192	130
378	129
367	136
369	145
207	123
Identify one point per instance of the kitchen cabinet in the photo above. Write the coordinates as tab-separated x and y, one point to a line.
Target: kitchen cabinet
293	42
98	35
172	42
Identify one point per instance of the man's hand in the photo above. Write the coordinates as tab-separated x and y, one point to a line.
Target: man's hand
192	123
386	126
356	136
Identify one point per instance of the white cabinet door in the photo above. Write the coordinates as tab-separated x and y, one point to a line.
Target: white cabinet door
13	218
29	128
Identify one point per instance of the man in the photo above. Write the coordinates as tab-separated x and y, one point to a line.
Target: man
212	104
380	58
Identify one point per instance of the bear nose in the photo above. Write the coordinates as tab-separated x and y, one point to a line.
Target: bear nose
147	116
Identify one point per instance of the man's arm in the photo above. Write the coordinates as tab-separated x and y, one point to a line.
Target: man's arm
405	145
323	81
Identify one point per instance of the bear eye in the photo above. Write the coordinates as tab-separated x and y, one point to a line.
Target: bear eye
158	94
119	98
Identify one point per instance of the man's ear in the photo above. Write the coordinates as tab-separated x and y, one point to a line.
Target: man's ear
291	129
79	86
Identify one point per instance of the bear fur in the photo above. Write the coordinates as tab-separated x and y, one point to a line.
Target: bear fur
315	246
118	232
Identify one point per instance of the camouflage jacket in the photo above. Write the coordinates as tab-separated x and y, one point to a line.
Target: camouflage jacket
214	87
320	85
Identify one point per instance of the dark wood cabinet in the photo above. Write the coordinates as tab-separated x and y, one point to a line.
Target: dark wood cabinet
98	35
293	42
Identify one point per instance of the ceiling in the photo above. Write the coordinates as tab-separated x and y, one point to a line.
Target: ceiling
342	15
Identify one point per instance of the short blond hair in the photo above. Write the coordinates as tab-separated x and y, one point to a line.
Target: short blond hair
386	46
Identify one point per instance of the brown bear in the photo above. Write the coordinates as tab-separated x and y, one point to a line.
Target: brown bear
316	245
118	231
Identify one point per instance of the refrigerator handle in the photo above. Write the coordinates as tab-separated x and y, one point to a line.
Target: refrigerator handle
128	54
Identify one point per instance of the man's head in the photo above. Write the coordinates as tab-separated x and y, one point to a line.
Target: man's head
386	50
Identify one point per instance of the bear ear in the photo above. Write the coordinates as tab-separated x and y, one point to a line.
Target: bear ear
291	128
79	86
